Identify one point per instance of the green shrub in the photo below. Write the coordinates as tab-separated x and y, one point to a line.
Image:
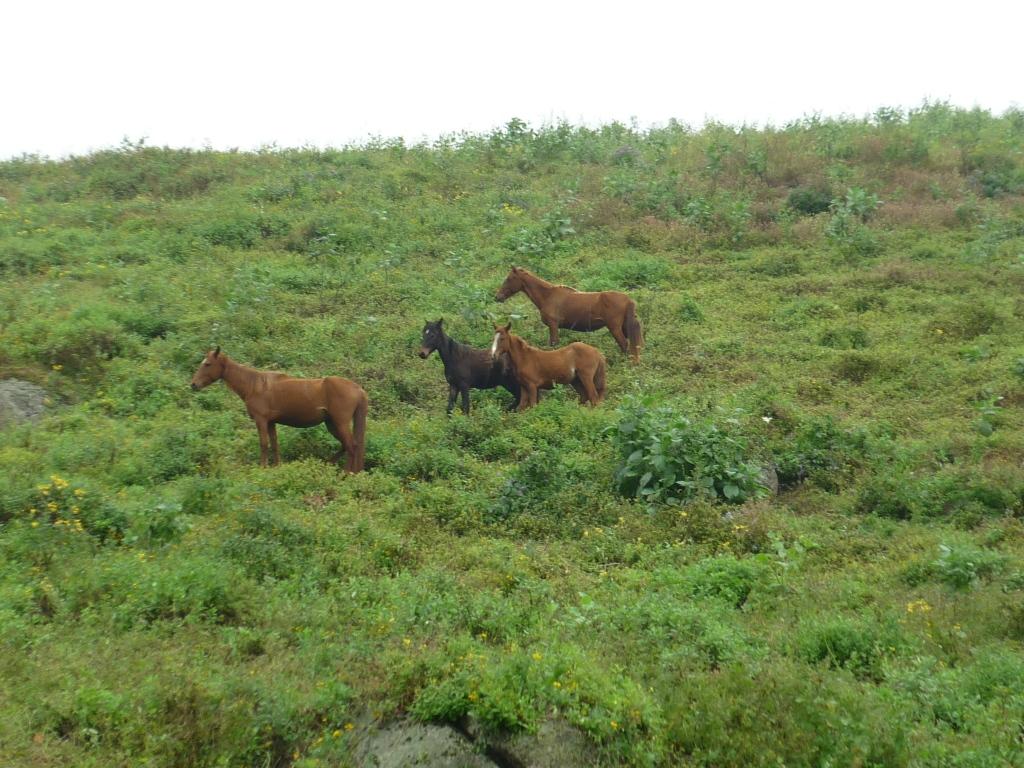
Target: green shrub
626	274
964	566
782	714
725	578
688	311
856	644
857	367
820	451
845	338
780	265
188	588
809	200
671	458
531	484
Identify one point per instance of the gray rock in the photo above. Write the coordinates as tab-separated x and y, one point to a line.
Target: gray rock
20	401
770	479
414	745
556	744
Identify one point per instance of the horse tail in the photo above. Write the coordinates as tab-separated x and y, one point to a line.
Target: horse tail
634	331
599	379
359	431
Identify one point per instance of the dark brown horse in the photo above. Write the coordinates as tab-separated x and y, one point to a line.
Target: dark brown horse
564	307
579	365
466	367
273	398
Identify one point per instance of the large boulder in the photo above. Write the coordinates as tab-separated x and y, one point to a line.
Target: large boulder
555	744
20	401
417	745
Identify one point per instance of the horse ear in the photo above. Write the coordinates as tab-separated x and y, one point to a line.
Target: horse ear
216	352
440	320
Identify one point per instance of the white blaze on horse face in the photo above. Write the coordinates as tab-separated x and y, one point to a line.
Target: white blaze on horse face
494	346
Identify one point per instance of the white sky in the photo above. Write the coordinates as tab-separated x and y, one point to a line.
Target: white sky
81	75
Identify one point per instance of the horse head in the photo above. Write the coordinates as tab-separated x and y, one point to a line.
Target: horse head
433	335
513	284
502	341
210	370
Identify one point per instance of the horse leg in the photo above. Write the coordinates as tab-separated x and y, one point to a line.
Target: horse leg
342	431
453	392
261	426
578	386
527	396
272	431
516	394
587	381
465	399
620	338
552	331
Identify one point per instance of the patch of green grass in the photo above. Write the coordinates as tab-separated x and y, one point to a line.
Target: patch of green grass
178	605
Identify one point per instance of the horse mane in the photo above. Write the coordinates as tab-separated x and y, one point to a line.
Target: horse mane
514	337
553	285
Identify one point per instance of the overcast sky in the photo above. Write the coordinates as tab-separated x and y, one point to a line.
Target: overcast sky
82	75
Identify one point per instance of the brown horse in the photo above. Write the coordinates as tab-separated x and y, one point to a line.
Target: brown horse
564	307
273	398
577	364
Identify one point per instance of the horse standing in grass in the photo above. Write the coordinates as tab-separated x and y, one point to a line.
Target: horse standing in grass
465	367
273	398
564	307
579	365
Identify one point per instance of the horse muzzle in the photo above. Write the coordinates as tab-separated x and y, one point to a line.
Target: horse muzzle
425	353
195	387
499	297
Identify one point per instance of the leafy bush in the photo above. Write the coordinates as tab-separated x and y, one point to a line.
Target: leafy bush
688	311
820	451
809	200
964	566
857	367
671	458
856	644
627	274
849	215
897	491
725	578
532	483
845	338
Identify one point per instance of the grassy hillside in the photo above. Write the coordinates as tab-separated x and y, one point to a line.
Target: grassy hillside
841	300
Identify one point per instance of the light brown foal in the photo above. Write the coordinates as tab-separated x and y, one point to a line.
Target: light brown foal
273	398
579	365
564	307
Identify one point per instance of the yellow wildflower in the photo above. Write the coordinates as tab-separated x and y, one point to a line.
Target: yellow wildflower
349	726
537	655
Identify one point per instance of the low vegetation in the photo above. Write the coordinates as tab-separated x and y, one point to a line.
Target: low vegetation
835	303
